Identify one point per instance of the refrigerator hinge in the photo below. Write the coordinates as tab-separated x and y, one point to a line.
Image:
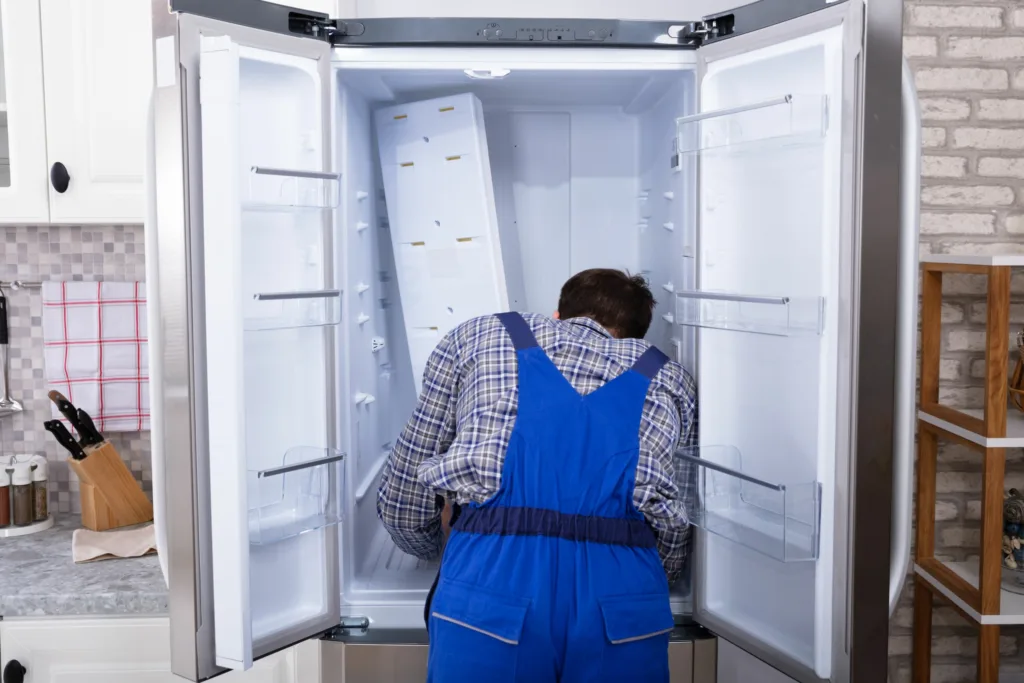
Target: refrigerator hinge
349	626
697	33
334	31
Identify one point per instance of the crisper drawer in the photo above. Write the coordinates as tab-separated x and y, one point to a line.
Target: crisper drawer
692	659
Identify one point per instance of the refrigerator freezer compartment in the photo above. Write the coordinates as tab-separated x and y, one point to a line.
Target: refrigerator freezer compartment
287	310
278	189
786	121
780	316
297	496
780	521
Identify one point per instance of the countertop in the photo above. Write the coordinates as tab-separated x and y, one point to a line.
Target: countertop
38	579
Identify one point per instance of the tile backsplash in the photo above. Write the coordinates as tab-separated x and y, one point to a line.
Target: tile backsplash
33	253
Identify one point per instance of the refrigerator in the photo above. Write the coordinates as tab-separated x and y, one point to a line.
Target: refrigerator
329	196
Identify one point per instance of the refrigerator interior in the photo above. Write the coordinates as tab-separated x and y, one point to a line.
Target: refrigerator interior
580	163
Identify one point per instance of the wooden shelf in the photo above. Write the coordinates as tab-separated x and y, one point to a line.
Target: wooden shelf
974	590
988	261
1014	429
1011	605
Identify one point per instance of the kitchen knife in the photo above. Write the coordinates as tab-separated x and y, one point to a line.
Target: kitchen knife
67	409
64	438
88	434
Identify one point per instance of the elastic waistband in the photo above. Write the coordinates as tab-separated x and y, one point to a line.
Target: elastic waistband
522	521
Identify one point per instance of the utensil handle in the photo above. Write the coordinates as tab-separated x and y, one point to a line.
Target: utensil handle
4	332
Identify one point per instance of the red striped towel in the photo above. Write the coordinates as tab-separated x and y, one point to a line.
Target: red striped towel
95	350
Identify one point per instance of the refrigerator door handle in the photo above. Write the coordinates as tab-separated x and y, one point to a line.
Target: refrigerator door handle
906	344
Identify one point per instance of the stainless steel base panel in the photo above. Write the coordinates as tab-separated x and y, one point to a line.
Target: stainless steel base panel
693	655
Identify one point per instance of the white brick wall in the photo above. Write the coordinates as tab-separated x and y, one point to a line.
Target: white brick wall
968	59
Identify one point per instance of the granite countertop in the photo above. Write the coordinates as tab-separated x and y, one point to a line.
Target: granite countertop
38	579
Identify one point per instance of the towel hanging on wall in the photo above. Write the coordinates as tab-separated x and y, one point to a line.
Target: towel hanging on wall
94	336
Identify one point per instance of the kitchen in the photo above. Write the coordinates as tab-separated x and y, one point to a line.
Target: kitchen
49	189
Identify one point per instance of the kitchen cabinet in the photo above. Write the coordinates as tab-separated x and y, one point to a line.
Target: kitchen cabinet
23	183
127	650
97	64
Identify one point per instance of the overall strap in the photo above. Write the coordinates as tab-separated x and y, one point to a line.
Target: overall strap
518	330
650	362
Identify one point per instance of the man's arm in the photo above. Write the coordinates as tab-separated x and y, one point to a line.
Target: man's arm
409	510
665	489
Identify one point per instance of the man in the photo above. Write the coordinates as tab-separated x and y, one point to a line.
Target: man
555	437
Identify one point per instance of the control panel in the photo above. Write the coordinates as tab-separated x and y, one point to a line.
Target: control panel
591	32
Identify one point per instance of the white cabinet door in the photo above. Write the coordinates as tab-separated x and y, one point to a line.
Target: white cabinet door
97	58
23	183
116	650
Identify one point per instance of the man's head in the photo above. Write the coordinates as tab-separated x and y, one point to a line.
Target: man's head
622	303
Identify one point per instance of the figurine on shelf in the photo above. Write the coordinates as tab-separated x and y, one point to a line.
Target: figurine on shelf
1013	530
1017	378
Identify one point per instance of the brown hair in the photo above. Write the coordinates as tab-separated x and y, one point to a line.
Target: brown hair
622	303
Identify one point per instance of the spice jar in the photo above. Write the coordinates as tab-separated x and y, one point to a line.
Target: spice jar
5	496
21	494
40	503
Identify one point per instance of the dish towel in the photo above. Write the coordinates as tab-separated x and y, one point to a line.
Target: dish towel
94	336
91	546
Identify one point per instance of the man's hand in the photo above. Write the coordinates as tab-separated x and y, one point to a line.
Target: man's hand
446	519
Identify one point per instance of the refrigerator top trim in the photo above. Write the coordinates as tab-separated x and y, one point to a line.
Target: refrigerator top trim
539	59
684	34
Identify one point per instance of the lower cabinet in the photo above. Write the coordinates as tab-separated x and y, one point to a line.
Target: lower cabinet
127	650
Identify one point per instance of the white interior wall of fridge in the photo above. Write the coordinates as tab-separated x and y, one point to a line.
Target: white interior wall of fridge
580	165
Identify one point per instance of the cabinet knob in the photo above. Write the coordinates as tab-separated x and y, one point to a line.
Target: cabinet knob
14	672
59	177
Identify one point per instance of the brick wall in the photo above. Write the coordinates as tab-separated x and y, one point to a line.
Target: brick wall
968	59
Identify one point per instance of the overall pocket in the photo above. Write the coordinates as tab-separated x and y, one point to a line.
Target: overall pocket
474	635
637	630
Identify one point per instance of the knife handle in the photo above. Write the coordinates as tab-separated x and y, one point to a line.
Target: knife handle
5	336
89	434
64	438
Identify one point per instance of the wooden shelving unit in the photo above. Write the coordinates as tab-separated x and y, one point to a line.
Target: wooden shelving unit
974	589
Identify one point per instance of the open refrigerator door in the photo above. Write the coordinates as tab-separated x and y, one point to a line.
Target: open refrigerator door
770	314
270	318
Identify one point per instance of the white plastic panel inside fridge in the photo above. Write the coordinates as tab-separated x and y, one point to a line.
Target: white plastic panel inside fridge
270	319
579	158
767	140
441	216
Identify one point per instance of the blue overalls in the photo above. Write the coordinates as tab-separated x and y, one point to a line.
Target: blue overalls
557	577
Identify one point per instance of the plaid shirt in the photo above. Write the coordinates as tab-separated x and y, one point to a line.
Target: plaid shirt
457	437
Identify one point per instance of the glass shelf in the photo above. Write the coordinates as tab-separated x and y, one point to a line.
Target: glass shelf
296	497
779	316
787	121
276	189
286	310
778	520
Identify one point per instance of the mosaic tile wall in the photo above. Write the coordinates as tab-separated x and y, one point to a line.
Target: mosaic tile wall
32	253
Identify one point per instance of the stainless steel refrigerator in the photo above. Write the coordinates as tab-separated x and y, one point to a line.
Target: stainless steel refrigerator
329	196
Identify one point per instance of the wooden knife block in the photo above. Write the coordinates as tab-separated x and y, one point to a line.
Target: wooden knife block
110	496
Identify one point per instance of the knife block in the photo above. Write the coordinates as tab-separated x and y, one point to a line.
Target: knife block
110	496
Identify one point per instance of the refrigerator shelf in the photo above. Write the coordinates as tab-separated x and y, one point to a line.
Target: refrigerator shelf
780	521
277	189
289	310
783	122
779	316
298	496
